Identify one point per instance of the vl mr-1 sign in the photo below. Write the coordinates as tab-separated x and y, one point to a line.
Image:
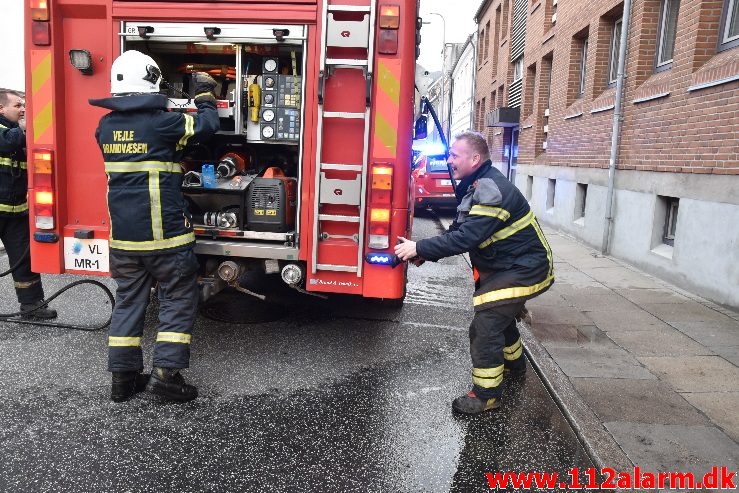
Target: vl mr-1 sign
89	255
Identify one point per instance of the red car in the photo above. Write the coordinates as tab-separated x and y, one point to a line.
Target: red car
432	185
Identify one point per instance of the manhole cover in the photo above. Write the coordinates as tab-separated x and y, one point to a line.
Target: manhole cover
236	308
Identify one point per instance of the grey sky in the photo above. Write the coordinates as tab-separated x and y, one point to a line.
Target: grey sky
457	14
11	25
458	17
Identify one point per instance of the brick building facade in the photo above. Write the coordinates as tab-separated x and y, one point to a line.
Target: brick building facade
546	73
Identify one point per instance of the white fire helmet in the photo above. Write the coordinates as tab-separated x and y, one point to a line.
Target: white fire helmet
134	72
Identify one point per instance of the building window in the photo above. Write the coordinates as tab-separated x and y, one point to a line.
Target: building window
518	69
551	189
729	34
529	187
667	31
487	39
670	228
581	197
615	49
481	49
583	67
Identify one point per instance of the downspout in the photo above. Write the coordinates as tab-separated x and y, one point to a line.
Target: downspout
616	131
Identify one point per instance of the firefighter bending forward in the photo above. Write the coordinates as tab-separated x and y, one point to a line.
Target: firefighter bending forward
151	237
511	261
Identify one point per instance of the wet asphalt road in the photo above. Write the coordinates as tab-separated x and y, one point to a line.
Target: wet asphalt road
335	396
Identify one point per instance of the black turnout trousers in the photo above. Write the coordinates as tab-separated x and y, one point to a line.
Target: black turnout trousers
15	237
176	273
495	345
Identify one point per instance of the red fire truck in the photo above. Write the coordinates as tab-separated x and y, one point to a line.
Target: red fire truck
312	162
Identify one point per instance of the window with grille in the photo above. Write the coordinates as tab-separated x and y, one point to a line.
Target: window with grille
583	66
615	48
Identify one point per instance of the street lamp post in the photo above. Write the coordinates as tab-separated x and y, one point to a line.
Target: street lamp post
443	68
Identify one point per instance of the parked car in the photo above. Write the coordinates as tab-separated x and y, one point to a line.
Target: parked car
432	184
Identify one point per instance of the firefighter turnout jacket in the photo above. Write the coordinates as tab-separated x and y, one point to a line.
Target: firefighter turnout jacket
13	175
142	145
510	256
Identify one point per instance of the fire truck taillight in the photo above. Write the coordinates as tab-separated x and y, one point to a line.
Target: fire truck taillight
381	193
43	189
40	10
387	39
41	33
40	28
390	17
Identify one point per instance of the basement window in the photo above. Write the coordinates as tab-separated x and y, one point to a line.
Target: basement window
529	187
581	197
551	189
671	209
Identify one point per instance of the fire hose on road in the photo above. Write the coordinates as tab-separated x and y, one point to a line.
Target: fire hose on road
15	317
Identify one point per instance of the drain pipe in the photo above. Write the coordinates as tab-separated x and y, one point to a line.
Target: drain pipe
616	131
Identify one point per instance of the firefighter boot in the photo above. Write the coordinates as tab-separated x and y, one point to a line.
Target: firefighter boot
471	404
168	383
126	384
44	313
516	369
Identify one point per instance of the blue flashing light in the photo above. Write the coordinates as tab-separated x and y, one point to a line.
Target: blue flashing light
43	237
377	258
431	149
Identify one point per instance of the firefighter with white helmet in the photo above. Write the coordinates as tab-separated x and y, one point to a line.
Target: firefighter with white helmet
151	237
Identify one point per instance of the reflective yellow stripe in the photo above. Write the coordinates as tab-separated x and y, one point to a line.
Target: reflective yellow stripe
142	166
26	284
155	204
544	242
510	230
514	351
154	244
507	293
486	210
6	161
189	131
14	208
487	383
496	371
123	341
174	337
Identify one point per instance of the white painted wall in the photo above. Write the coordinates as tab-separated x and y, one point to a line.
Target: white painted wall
705	257
463	80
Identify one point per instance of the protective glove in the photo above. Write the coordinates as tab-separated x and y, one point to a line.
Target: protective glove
203	85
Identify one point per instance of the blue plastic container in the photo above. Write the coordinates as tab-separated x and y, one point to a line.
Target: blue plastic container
209	176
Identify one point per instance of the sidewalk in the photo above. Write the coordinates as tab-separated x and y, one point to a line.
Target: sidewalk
658	367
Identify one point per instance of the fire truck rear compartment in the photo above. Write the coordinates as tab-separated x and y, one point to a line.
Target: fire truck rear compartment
243	186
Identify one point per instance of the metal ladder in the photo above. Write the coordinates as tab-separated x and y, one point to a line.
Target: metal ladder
343	34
